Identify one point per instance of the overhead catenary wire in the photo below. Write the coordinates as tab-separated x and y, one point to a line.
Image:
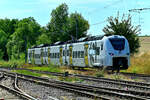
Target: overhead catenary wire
139	10
99	23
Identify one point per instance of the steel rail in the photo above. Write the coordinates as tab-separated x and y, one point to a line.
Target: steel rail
17	88
91	77
15	92
98	79
128	84
80	87
125	73
137	75
80	92
86	77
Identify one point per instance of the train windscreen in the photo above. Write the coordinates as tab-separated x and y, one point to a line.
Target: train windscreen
117	43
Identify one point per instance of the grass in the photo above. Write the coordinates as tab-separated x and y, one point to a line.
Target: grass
70	79
12	63
46	68
145	44
140	64
27	72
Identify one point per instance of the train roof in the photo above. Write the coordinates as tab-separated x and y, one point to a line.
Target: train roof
83	39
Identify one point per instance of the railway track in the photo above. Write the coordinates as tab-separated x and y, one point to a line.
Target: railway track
90	91
19	94
127	84
143	76
134	76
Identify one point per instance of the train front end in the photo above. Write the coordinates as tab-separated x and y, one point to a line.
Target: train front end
118	53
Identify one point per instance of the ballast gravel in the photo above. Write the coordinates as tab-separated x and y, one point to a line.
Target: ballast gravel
47	93
5	94
38	91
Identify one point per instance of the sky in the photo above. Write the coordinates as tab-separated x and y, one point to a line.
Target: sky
95	11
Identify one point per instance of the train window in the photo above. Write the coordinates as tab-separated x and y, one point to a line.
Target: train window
97	50
117	43
59	55
53	55
49	54
63	52
45	54
67	52
78	56
82	54
73	54
37	55
102	46
56	55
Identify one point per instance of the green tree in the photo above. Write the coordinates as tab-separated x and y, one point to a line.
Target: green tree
24	37
44	38
63	27
58	22
3	41
124	27
77	24
8	27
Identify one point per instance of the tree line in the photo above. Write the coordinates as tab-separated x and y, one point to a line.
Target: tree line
18	35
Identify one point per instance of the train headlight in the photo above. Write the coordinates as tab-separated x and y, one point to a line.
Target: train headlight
111	54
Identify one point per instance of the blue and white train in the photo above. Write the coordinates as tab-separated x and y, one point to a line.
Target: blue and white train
110	51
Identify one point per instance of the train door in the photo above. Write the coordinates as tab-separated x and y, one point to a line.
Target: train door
32	59
48	54
101	54
42	55
86	54
70	55
61	54
96	53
